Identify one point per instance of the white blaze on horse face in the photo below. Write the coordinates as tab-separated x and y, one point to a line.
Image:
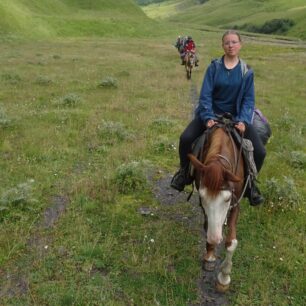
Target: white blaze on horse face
216	211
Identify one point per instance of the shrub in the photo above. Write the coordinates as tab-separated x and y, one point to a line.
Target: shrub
43	80
123	73
4	120
12	78
286	122
303	129
112	132
130	177
274	26
17	196
108	82
282	195
163	145
162	122
298	159
69	100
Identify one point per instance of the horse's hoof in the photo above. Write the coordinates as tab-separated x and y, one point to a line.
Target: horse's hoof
209	265
222	288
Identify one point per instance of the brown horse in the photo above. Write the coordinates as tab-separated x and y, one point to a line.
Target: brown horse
189	63
219	178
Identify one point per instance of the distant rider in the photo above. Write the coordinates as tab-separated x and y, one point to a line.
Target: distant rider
190	47
179	43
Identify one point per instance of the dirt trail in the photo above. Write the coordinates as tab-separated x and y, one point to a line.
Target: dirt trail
208	296
266	40
278	42
13	280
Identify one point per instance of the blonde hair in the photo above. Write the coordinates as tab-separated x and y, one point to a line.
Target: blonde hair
231	32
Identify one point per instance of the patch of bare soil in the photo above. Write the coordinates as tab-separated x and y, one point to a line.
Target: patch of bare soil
208	296
13	281
275	41
267	40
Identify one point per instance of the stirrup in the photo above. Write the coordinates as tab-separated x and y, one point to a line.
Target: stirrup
178	180
254	195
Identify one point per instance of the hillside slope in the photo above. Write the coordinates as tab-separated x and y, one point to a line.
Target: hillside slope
51	18
246	15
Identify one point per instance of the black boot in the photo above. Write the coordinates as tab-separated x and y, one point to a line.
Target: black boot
180	179
254	196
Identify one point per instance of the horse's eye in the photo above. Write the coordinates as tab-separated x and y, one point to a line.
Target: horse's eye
228	199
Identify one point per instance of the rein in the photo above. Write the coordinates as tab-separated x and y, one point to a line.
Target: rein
234	201
227	124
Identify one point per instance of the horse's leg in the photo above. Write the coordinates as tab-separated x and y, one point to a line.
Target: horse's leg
224	279
209	259
188	72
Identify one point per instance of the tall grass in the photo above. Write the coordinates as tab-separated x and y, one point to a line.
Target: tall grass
75	139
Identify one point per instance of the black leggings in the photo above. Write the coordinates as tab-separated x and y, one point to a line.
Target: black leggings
196	128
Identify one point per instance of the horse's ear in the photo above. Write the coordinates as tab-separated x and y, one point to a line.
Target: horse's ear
229	176
196	163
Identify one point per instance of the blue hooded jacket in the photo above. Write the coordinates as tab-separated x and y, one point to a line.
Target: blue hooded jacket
245	102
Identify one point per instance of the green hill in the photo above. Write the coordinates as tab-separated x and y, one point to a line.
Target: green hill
45	18
273	16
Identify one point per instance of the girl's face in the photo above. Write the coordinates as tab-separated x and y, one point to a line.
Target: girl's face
231	45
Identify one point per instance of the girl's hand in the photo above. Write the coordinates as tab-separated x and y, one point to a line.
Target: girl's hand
240	126
210	123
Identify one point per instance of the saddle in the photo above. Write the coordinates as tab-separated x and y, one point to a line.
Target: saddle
243	144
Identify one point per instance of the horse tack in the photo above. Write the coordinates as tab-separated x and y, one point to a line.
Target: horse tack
223	149
189	63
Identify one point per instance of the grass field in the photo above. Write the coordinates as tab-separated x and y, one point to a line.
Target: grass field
86	134
32	19
72	114
227	13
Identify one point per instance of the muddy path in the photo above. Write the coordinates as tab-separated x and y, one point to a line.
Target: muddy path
207	294
14	280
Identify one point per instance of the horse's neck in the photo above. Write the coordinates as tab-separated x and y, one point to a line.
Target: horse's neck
213	178
221	147
214	147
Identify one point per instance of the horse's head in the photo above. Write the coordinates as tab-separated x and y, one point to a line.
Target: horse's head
216	182
216	192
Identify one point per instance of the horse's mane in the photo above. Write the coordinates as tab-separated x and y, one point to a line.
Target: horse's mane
214	174
215	142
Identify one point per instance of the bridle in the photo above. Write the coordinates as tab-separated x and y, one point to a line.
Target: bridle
228	125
